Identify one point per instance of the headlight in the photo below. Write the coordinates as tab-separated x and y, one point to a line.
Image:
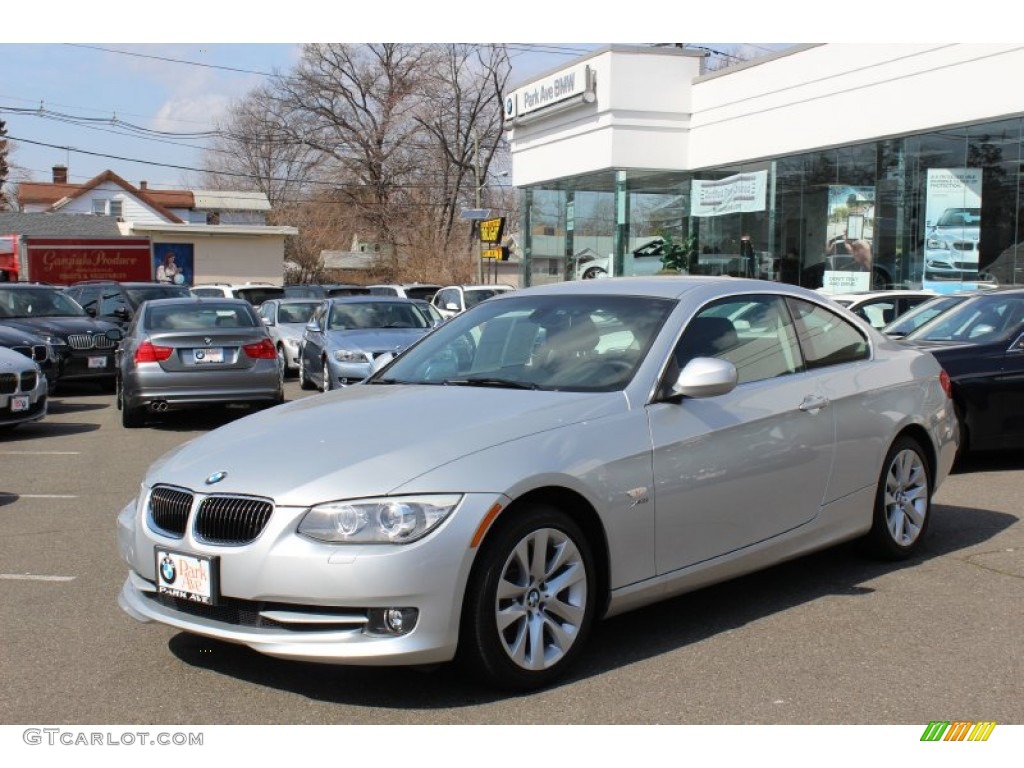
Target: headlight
55	341
396	520
936	244
350	356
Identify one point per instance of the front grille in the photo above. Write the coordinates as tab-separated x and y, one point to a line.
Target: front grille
246	613
964	245
8	383
231	519
168	510
29	380
35	352
88	341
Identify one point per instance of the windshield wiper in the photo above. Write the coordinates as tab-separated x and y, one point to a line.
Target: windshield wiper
490	382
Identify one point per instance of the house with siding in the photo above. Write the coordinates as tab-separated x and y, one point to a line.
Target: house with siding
223	233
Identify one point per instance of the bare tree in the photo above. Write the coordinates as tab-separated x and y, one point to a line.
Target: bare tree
255	152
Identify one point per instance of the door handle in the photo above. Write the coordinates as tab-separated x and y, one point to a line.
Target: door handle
813	403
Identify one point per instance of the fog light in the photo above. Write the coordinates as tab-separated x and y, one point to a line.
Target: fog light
392	621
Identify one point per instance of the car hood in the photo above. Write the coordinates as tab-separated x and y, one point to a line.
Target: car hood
375	339
11	336
59	326
368	439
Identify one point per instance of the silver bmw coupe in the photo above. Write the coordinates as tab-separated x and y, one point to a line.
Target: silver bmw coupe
550	457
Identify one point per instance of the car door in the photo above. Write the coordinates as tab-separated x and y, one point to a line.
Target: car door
737	469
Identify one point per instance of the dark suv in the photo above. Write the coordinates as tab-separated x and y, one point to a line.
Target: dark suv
118	302
83	347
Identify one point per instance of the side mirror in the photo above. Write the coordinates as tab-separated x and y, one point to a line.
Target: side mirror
451	306
267	320
313	326
380	361
114	334
706	377
122	312
90	311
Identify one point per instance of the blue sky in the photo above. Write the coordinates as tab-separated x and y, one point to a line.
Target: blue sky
59	57
96	88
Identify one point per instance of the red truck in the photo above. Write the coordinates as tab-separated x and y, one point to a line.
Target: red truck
62	261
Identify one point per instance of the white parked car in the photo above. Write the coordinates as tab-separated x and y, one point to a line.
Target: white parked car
22	390
455	299
547	458
879	308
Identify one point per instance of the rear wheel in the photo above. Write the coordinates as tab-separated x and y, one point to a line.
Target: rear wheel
902	503
130	417
530	602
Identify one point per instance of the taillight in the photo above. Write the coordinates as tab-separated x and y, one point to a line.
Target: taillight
263	350
947	385
148	352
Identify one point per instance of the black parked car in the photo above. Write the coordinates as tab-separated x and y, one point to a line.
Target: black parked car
32	346
980	344
118	302
83	347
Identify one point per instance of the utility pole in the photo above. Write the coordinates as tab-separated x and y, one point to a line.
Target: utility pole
476	204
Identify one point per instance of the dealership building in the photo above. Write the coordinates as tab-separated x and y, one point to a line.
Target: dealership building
835	165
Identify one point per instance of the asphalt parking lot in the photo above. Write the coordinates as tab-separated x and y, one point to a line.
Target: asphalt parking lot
830	638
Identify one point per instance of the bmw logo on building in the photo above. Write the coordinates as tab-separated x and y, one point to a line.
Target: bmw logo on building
510	106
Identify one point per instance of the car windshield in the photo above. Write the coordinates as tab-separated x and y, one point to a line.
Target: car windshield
921	314
139	294
983	319
296	313
475	296
424	292
364	315
195	317
567	343
38	302
960	217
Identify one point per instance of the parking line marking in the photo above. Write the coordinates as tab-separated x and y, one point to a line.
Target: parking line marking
37	495
40	453
32	577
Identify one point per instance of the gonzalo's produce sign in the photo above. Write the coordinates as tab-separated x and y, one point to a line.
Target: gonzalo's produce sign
67	260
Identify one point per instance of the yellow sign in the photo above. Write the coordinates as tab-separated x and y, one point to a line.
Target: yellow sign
491	230
492	253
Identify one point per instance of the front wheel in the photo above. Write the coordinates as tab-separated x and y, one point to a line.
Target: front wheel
902	503
530	601
304	382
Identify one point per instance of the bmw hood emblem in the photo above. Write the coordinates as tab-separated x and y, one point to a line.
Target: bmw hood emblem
216	477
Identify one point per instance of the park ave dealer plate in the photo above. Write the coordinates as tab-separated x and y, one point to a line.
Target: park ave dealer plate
189	577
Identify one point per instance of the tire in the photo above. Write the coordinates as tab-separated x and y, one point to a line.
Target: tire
326	374
511	602
903	503
282	361
304	382
130	417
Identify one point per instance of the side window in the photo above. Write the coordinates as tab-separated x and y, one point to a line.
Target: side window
825	338
753	332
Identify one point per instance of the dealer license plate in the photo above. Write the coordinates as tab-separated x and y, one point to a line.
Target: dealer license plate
190	577
213	355
97	362
19	403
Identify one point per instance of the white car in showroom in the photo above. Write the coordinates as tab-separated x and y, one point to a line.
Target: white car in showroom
550	457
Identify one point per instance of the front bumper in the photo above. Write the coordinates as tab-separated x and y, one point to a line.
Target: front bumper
288	596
